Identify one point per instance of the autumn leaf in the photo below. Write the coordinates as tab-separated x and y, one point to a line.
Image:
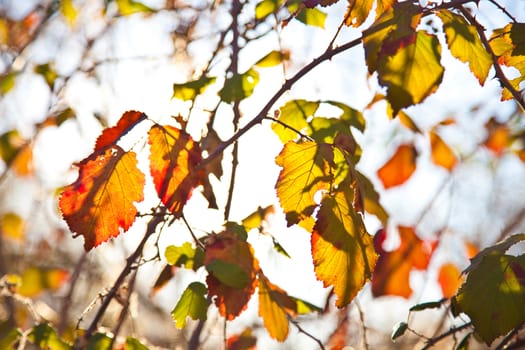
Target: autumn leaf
273	58
188	91
410	68
186	255
307	169
342	250
464	44
501	306
208	144
192	304
498	137
110	136
35	280
442	154
12	226
358	11
173	158
231	279
449	279
294	114
392	273
45	337
243	341
100	203
239	86
398	169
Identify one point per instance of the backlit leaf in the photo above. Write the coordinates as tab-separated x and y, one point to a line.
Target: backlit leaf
442	154
498	137
243	341
392	273
256	218
110	136
208	144
173	160
307	169
410	68
500	306
312	17
12	226
398	169
192	304
274	307
223	250
240	86
134	344
273	59
164	277
294	114
36	280
408	122
342	250
449	279
99	341
45	337
190	90
100	203
359	10
186	255
396	22
464	44
129	7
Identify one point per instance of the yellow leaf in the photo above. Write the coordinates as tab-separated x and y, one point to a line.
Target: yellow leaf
442	155
410	68
342	250
464	44
274	305
12	226
68	10
306	171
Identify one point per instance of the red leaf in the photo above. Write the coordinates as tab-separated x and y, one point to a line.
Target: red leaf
392	272
399	168
100	203
173	158
230	251
111	135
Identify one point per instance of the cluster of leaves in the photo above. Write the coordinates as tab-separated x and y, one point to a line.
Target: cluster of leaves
319	186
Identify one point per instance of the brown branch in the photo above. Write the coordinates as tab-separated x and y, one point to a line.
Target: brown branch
453	330
309	335
503	344
125	306
66	304
152	225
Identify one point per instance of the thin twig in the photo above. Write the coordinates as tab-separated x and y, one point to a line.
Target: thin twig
434	340
68	298
125	307
504	10
309	335
197	241
363	325
508	337
275	120
499	72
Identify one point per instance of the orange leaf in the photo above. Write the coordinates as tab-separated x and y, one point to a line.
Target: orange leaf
101	201
111	135
243	341
342	250
173	159
449	279
399	168
392	273
498	138
274	306
442	155
231	266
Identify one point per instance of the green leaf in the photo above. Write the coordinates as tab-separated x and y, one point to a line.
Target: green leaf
192	303
45	337
185	255
493	295
9	335
312	17
410	68
294	114
239	86
273	59
190	90
464	44
7	82
99	341
134	344
231	275
399	330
